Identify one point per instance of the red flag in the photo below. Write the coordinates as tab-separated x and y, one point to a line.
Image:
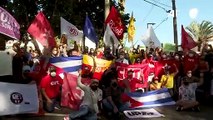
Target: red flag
186	40
115	23
41	30
71	94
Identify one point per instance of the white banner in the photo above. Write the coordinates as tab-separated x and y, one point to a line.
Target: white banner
5	63
18	98
143	113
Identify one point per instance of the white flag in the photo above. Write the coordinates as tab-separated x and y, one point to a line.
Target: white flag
89	43
71	31
150	39
110	38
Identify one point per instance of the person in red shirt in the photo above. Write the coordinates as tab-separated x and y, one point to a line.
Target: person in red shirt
50	88
190	62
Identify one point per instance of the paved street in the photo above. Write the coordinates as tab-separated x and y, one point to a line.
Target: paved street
169	112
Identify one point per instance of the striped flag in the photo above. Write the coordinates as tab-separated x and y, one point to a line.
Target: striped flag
149	99
69	66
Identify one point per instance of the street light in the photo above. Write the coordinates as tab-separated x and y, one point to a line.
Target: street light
147	25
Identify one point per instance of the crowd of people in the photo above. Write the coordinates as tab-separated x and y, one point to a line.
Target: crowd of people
182	73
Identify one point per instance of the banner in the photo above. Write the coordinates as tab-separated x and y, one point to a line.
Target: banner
143	113
154	98
8	25
139	73
101	65
18	98
5	63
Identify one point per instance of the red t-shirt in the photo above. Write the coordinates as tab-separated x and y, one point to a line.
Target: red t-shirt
189	63
51	85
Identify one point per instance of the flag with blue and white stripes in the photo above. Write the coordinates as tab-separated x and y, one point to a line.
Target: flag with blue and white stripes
67	64
155	98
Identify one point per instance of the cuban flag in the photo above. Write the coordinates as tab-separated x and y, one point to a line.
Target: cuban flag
149	99
67	68
67	64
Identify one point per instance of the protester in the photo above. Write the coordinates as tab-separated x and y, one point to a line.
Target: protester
122	59
89	106
112	103
155	84
51	90
190	62
26	75
190	77
167	79
187	97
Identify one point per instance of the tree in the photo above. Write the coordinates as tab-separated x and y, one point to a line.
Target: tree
201	33
74	11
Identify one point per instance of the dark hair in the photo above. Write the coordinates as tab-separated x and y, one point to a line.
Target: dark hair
52	69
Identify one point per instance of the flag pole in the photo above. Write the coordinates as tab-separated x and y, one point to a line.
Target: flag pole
83	43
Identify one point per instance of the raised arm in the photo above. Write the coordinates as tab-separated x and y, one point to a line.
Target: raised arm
176	70
79	83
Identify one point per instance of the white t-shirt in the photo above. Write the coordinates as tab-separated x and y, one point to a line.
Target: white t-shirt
91	98
188	92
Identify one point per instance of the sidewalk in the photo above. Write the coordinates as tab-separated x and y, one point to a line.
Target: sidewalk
169	112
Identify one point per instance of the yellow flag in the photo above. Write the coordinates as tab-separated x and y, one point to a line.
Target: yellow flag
131	29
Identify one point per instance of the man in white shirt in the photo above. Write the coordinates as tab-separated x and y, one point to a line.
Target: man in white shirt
187	98
89	106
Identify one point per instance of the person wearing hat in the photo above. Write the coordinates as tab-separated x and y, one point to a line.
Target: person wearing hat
187	96
89	107
155	84
50	89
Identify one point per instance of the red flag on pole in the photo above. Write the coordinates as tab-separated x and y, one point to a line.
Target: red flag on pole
115	23
187	42
41	30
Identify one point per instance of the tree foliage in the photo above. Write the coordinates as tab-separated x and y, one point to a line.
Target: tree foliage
201	32
74	11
